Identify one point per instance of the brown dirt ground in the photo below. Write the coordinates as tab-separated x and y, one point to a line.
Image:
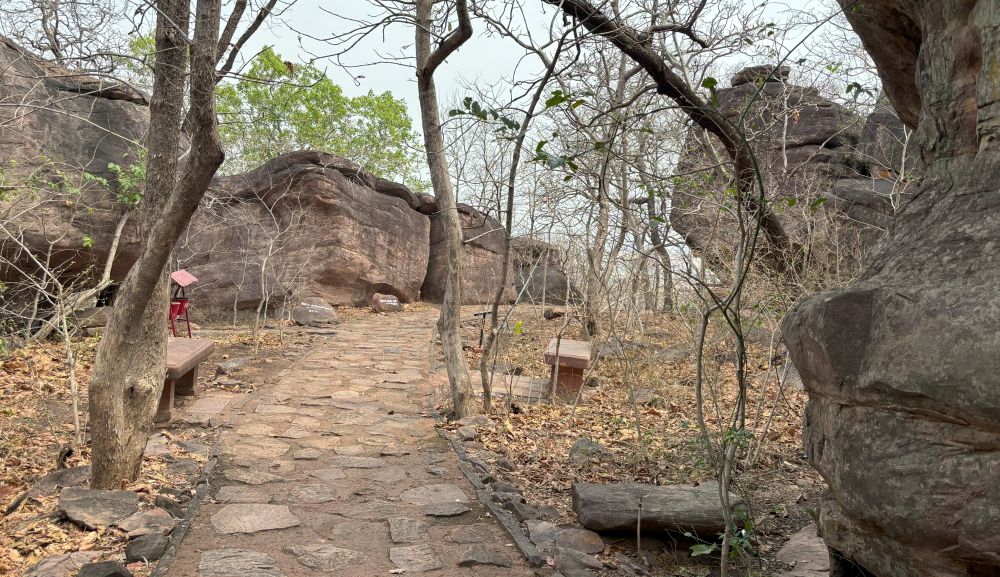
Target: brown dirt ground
779	485
36	420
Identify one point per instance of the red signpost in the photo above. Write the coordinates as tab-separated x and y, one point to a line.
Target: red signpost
179	302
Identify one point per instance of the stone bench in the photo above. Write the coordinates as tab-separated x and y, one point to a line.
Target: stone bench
573	359
183	357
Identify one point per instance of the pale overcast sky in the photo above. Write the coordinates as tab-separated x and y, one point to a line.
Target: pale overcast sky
483	60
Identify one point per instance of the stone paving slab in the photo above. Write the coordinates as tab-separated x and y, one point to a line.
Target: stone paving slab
318	467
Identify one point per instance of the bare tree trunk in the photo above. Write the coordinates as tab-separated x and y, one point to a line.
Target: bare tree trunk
508	227
128	372
593	295
780	255
451	307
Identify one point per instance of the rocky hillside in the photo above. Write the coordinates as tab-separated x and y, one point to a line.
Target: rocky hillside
305	224
55	126
833	178
902	366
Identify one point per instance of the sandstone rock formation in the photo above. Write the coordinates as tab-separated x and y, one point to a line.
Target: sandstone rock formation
538	270
903	365
832	177
317	224
483	238
54	125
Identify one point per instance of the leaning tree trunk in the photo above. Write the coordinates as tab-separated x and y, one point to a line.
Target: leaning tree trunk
508	228
128	372
451	308
594	293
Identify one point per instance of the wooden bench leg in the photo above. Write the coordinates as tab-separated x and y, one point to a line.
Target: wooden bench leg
164	412
186	383
570	382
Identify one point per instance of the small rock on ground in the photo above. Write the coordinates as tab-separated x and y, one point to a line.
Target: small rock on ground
571	562
415	558
806	552
325	557
434	494
104	569
237	563
352	462
61	565
146	548
241	494
155	520
479	555
307	454
252	518
307	493
579	539
584	450
92	508
332	474
406	530
250	476
228	366
468	534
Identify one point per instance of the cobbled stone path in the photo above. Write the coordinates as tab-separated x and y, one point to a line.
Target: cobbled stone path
338	470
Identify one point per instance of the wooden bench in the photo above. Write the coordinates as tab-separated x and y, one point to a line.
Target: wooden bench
183	357
573	359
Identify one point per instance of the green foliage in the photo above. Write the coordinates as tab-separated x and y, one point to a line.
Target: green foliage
559	97
553	161
508	127
856	90
279	107
700	549
710	84
128	181
741	437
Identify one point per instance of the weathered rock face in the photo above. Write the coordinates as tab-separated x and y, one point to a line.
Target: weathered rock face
56	124
332	230
306	224
484	239
903	366
538	270
832	177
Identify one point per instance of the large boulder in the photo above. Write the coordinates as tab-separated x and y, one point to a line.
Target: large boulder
306	224
538	270
483	242
319	226
902	366
804	145
56	126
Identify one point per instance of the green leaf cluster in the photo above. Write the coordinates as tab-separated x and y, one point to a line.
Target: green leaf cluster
278	107
471	107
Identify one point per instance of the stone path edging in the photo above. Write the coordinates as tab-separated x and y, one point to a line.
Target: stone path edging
506	519
201	487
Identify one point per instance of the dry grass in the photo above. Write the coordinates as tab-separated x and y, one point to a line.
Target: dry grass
657	441
36	420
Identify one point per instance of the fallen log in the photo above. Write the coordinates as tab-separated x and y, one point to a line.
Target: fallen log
674	508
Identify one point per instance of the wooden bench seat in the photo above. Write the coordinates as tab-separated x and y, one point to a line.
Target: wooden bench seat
183	357
573	359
